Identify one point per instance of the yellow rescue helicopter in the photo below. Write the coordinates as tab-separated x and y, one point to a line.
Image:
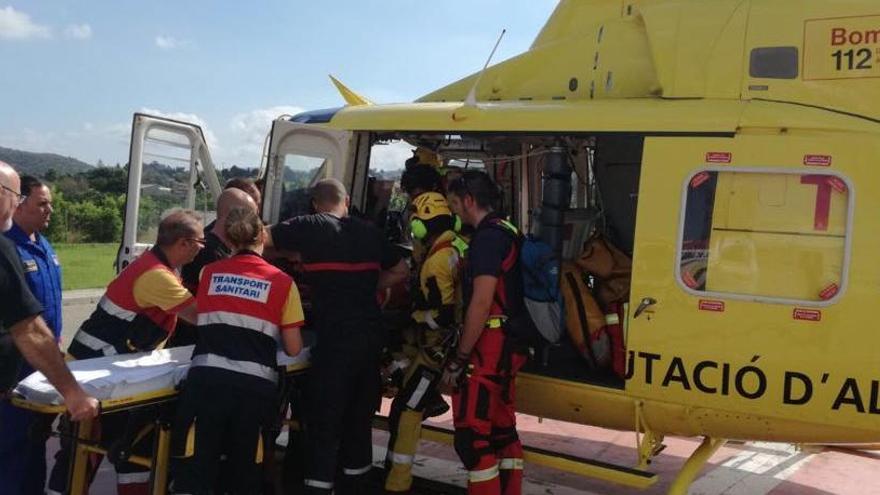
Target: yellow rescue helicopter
727	146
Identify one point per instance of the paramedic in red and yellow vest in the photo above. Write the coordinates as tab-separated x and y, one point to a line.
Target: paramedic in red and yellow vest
482	370
137	313
246	308
426	341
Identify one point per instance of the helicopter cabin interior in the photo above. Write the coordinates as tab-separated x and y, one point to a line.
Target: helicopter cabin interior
578	188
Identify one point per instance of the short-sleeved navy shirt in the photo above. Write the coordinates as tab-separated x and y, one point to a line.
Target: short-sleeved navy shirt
18	304
490	245
342	258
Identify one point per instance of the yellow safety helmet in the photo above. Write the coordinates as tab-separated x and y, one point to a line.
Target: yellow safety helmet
426	206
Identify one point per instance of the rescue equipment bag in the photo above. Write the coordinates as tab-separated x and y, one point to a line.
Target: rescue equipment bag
585	320
540	270
519	326
610	266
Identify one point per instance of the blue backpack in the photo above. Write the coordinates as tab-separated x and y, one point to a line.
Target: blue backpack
542	299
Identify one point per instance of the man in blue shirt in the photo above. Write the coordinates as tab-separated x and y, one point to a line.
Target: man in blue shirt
22	433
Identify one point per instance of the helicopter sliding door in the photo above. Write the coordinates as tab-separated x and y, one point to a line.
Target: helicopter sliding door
743	297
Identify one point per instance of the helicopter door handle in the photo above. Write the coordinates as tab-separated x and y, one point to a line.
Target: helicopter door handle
646	303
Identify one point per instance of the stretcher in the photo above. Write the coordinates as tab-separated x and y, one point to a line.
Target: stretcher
124	382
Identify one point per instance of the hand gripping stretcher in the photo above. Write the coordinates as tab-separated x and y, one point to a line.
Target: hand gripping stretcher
124	382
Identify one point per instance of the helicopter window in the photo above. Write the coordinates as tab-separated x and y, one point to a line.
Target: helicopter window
778	62
300	173
782	237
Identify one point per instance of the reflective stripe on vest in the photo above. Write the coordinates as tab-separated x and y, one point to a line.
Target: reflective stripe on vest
245	367
241	321
115	311
94	343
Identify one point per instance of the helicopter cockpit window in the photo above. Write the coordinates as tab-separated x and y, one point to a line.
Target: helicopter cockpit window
300	174
781	237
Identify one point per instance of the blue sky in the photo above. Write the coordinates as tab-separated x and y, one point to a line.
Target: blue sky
75	71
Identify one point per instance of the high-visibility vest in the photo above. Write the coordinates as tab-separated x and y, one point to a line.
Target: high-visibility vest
240	303
110	328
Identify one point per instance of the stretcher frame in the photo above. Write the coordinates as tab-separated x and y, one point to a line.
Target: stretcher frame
83	444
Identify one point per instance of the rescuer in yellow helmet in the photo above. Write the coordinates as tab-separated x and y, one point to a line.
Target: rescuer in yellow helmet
434	315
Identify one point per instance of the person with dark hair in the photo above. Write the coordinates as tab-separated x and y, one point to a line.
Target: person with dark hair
250	187
217	247
482	370
426	341
345	260
246	308
25	337
22	432
137	313
421	178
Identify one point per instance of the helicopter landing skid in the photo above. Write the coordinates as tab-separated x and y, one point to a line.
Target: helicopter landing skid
694	464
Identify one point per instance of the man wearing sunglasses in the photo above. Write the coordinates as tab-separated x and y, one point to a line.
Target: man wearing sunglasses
23	333
137	313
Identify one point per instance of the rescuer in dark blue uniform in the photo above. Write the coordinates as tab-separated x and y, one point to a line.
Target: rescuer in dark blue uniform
345	261
23	433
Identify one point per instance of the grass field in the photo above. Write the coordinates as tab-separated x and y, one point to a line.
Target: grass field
86	266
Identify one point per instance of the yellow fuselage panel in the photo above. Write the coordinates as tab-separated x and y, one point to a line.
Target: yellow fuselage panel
696	49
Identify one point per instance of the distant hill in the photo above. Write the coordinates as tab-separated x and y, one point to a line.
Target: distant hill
27	163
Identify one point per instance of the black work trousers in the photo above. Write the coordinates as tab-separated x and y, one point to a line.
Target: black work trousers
213	419
343	393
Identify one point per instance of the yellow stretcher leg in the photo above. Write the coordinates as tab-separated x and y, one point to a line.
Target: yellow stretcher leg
79	464
694	464
161	456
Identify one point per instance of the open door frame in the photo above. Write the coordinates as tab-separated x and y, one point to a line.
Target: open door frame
201	167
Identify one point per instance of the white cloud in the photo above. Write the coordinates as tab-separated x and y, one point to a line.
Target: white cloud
249	130
78	31
390	156
167	42
15	25
191	118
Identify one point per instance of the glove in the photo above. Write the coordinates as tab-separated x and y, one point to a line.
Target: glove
452	373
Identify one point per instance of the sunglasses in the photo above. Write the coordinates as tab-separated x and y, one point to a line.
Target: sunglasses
21	197
200	242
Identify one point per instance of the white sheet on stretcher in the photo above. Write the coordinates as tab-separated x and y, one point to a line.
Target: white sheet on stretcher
126	375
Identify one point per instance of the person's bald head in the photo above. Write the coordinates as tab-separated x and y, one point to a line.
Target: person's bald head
231	199
9	194
330	196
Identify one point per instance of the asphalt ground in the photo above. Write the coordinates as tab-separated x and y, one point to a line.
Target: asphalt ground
754	468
